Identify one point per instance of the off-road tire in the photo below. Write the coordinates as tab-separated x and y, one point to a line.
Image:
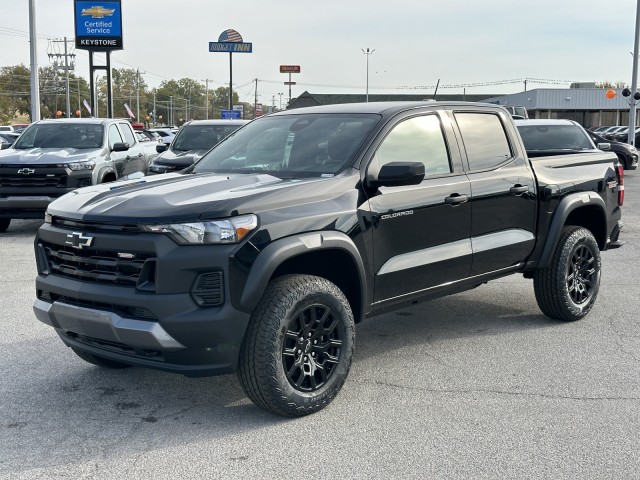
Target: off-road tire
4	224
567	289
99	361
297	351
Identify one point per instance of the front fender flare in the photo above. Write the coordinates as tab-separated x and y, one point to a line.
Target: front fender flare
281	250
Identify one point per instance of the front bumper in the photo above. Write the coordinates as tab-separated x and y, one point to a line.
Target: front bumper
156	322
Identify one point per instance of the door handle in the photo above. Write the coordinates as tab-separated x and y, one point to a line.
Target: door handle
140	155
455	199
519	189
127	157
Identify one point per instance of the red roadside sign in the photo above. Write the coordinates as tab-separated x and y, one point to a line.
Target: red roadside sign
289	68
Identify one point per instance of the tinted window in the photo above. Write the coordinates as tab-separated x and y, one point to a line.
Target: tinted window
484	138
201	137
296	145
61	135
554	137
417	139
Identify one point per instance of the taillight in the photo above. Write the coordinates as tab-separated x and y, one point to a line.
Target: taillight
620	173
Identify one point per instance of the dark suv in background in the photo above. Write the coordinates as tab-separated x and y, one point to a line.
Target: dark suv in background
191	142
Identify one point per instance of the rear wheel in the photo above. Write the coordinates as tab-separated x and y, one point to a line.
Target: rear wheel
623	161
4	224
568	287
297	350
99	361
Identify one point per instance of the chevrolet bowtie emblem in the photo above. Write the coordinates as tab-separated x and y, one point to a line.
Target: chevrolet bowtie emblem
26	171
78	240
98	12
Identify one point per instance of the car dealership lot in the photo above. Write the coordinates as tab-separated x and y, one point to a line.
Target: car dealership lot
478	384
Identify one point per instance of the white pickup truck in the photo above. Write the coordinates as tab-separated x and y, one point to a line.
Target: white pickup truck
53	157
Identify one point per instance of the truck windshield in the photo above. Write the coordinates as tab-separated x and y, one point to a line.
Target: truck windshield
301	145
201	137
60	135
554	137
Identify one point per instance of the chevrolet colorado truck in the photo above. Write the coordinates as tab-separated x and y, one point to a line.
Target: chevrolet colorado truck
261	257
53	157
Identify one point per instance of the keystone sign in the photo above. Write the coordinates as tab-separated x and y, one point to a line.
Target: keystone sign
98	25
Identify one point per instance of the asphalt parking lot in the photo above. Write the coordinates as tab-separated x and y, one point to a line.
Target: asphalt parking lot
475	385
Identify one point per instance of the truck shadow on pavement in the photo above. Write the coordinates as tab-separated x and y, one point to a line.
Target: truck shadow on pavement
66	411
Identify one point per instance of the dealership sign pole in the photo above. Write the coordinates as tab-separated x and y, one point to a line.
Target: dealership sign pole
230	41
99	29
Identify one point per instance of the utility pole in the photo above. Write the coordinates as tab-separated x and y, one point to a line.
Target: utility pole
280	100
59	65
255	102
155	114
171	110
138	95
35	82
206	93
79	109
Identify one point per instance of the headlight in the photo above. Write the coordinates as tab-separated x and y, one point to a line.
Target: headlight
228	230
81	165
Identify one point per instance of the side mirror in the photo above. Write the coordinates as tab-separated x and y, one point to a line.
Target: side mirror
120	147
604	146
397	174
161	147
4	146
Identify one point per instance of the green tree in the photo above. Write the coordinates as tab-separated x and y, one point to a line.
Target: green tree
126	84
15	92
220	101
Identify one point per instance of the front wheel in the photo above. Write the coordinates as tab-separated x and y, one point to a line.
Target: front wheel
568	287
297	350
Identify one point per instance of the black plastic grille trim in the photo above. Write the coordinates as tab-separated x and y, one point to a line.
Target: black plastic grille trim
96	266
208	289
126	311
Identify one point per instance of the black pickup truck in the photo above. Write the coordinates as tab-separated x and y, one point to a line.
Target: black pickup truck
263	255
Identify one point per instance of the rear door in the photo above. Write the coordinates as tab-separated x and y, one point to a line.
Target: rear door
134	160
503	191
420	232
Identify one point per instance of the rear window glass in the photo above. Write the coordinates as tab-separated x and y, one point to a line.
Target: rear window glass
554	137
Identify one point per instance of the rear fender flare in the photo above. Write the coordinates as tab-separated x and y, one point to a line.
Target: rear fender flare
565	207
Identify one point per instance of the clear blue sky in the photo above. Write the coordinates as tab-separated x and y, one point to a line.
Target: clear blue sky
416	42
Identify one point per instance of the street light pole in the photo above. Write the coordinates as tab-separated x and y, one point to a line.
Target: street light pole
634	80
35	82
367	53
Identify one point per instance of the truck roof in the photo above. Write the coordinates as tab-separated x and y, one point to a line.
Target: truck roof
382	108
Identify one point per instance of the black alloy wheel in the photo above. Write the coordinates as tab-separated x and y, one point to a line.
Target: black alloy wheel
312	347
581	275
297	350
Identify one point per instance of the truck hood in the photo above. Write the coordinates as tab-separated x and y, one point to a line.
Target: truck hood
47	156
178	158
178	197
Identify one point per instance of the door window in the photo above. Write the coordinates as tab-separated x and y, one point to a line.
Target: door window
485	140
114	136
418	139
127	134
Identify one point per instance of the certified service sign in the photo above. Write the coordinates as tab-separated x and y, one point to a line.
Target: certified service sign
98	25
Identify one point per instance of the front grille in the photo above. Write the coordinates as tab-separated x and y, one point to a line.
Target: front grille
8	181
33	176
95	266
